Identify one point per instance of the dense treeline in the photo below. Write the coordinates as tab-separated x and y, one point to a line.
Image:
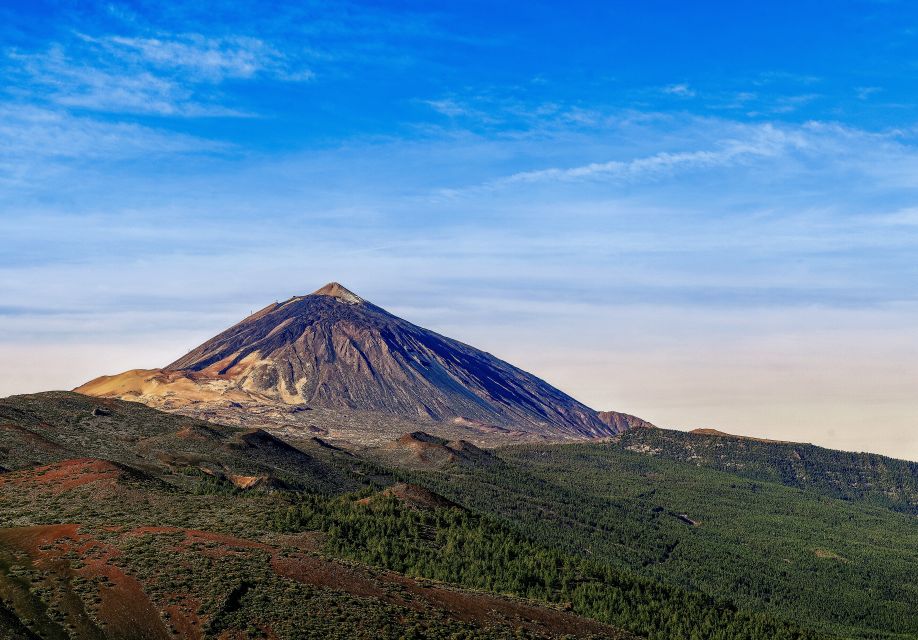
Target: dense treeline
478	551
844	475
844	568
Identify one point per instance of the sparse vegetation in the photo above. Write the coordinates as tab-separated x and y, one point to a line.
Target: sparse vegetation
530	542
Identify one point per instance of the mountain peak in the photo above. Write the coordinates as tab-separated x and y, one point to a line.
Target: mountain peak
335	351
339	291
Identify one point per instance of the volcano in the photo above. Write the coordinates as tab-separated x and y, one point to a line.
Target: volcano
334	350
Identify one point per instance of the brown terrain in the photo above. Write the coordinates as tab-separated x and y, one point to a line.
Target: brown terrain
128	581
415	497
420	450
623	421
334	365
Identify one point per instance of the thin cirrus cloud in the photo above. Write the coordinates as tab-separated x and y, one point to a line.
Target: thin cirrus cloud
165	76
39	143
65	82
681	89
757	141
207	58
639	168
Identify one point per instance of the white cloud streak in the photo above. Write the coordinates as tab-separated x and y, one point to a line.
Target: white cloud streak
762	141
207	59
682	90
167	76
37	142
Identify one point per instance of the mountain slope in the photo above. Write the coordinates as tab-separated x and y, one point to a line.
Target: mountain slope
118	525
623	421
51	427
91	550
867	477
847	569
421	450
334	350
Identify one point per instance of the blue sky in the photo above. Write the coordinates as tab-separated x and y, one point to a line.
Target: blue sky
703	213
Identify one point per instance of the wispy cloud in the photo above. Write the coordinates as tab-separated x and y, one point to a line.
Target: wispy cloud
907	217
682	90
776	76
206	58
63	81
660	163
46	133
788	104
759	141
37	142
863	93
452	108
167	76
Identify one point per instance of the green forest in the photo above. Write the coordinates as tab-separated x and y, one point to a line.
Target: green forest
842	567
846	475
454	545
332	544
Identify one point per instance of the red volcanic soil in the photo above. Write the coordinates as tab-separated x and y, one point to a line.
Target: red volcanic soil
62	476
480	608
488	609
194	536
426	450
184	618
468	606
65	560
124	605
31	539
124	608
321	572
126	611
